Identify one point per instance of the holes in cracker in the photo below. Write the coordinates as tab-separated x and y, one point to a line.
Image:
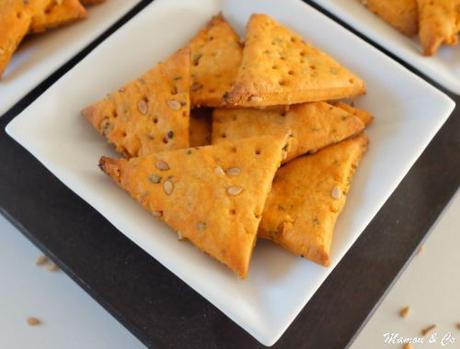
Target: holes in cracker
223	135
291	72
19	15
50	7
211	90
155	120
282	82
233	149
258	151
274	67
174	90
233	211
106	126
351	81
196	59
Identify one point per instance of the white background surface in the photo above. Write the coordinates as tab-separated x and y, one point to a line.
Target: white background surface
53	130
430	285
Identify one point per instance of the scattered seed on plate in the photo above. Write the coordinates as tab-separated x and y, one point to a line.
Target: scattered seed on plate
336	193
162	165
33	321
42	260
168	187
234	190
404	312
175	105
427	330
233	171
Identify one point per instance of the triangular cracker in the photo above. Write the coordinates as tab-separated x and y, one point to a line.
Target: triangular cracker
279	68
213	195
307	196
401	14
366	117
14	24
216	56
313	125
48	14
439	22
200	127
149	114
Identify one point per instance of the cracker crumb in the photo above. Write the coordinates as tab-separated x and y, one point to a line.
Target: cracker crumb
33	321
53	267
404	312
42	260
458	325
427	330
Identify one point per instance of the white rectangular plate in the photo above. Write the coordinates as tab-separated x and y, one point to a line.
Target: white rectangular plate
444	67
408	113
43	54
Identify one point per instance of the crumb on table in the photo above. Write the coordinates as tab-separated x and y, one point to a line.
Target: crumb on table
42	260
404	312
33	321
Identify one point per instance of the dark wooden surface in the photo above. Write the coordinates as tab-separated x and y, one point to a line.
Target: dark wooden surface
159	308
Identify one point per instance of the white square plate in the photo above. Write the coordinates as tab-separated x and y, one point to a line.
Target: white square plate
408	113
444	67
43	54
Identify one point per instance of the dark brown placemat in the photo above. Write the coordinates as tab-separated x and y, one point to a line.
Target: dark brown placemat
164	312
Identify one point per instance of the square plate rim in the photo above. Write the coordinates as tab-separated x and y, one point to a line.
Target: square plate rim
449	105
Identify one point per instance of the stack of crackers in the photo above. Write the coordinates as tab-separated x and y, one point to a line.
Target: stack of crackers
274	160
437	22
21	17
